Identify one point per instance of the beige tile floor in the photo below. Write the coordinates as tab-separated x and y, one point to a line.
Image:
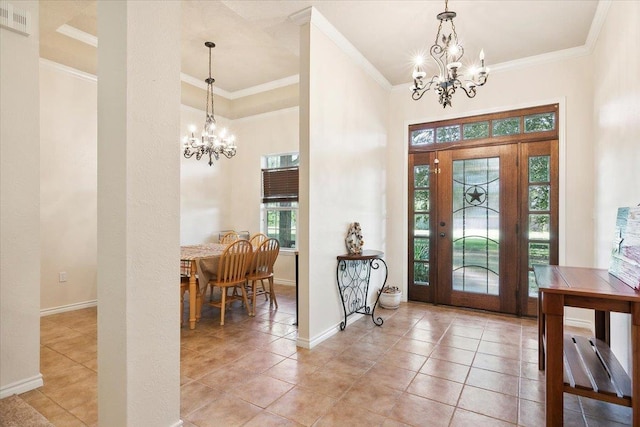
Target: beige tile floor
426	366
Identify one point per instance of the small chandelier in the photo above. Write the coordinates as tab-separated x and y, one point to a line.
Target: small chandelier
211	142
447	57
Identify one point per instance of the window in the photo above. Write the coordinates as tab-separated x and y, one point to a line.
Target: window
280	198
530	124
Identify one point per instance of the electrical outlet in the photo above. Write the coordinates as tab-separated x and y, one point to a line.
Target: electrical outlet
62	276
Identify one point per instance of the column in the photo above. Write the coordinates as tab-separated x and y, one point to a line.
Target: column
138	213
20	209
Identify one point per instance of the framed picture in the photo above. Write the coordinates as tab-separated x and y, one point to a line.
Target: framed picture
625	253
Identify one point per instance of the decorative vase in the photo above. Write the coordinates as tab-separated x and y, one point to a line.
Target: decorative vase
354	241
390	297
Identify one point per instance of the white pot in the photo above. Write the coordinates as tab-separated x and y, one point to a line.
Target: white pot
390	300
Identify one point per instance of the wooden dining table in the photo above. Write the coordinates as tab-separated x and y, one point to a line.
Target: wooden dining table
198	262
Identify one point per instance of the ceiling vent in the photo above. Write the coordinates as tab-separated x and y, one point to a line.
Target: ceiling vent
15	19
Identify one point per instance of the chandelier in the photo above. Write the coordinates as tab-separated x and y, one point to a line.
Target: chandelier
447	57
211	143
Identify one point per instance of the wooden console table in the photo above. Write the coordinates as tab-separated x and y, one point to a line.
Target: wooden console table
603	379
353	274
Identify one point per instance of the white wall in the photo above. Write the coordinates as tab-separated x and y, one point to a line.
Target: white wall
19	209
205	191
269	133
616	128
68	181
342	157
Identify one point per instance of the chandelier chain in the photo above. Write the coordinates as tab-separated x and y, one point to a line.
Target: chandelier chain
210	90
438	33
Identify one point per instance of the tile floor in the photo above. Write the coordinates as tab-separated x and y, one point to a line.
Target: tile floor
426	366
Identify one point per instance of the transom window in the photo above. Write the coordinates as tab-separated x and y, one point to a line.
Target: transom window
529	123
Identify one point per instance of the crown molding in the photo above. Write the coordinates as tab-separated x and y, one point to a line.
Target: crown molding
202	85
301	17
596	25
545	58
313	16
66	69
265	87
77	34
272	113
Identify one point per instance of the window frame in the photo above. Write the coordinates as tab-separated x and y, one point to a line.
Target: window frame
267	206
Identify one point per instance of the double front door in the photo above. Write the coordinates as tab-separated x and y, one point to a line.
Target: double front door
479	218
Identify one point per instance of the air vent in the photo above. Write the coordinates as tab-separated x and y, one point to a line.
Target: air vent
15	19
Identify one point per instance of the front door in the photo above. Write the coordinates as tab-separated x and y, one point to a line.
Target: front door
477	264
472	224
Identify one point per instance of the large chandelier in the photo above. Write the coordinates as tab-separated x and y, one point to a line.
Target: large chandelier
211	142
447	57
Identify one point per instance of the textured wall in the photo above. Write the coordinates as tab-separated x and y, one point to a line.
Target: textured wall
19	209
343	159
616	129
68	184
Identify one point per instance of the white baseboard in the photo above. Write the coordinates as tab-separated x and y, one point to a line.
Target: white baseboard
328	333
68	307
579	323
180	423
22	386
285	282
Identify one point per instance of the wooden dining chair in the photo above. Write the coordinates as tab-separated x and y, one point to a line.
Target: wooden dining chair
225	239
229	237
261	269
232	269
257	239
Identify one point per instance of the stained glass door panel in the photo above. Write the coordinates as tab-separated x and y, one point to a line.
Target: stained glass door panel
476	226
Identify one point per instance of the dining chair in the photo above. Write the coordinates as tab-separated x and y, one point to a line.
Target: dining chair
229	237
232	269
261	269
257	239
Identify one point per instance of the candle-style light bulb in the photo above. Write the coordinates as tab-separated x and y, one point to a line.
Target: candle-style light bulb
482	57
418	71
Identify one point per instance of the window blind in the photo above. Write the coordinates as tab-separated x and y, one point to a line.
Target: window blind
280	185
